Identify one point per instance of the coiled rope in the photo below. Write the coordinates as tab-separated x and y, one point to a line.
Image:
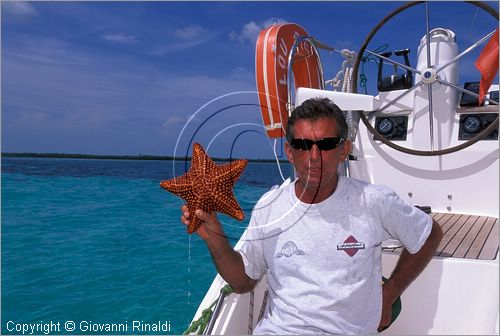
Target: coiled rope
338	83
200	324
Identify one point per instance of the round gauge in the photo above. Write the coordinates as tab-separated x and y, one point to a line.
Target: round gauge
385	126
472	124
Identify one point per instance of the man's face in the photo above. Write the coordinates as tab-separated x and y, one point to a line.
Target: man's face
316	169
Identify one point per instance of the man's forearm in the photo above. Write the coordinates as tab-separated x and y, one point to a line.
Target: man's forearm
229	264
409	265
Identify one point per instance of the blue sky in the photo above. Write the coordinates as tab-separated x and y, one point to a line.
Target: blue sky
126	77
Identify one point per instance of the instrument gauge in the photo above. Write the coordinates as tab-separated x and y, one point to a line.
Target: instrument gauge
385	126
472	124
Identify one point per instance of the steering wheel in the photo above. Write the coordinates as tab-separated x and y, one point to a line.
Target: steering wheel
428	77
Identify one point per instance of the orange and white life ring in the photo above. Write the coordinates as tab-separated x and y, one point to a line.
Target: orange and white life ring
273	48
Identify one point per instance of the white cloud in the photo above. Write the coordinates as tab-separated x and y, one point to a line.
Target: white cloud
250	31
175	47
19	9
47	51
179	120
174	120
120	38
190	32
184	38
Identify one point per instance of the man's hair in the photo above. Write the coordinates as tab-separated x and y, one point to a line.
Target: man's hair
314	109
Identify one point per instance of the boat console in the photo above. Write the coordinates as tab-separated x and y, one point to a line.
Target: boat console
395	81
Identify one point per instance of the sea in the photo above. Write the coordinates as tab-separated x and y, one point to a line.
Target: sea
87	243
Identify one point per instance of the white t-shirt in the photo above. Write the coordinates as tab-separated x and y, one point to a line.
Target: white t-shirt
324	260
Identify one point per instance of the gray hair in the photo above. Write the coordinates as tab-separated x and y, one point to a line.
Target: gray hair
314	109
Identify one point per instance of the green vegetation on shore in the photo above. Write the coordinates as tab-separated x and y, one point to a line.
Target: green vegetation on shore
118	157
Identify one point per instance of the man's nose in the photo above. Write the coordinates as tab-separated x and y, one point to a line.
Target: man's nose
315	153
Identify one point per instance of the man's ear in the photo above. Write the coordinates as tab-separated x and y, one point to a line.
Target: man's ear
288	151
346	149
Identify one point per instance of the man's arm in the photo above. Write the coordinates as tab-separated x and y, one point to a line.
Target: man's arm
228	262
409	266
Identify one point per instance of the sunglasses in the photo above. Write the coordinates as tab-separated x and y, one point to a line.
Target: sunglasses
324	144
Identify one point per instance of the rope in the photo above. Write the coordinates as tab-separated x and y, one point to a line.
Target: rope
250	312
263	307
347	80
277	160
369	58
337	82
352	118
200	324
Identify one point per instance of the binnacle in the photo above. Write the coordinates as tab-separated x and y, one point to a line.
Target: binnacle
208	186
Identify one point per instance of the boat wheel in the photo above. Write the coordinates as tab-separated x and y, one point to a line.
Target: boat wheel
429	77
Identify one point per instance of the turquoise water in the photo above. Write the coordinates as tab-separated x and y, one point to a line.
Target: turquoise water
99	241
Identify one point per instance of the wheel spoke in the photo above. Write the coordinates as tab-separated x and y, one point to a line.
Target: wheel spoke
393	62
431	116
466	51
427	34
458	88
392	102
429	65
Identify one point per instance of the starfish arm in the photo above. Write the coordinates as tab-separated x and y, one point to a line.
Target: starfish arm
233	170
237	168
197	160
221	189
229	206
195	222
181	186
201	163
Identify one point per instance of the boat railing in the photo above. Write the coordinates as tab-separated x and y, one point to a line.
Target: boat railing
220	301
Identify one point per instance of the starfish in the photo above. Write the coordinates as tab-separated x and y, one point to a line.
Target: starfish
207	186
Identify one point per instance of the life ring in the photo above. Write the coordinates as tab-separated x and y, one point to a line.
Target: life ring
272	51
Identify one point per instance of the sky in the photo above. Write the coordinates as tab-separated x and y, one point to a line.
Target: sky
149	78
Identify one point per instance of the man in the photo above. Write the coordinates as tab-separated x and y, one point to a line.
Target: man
319	238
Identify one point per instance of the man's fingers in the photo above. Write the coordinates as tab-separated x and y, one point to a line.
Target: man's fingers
209	221
184	220
185	217
185	211
204	216
211	224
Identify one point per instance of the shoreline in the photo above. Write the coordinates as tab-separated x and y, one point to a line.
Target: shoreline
124	157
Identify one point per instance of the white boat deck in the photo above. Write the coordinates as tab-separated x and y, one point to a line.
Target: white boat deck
465	236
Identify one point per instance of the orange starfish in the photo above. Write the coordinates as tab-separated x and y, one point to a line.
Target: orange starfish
207	186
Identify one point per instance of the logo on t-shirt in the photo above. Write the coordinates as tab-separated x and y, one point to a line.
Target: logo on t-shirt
350	246
288	249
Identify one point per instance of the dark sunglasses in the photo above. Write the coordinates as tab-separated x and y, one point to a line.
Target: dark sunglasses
324	144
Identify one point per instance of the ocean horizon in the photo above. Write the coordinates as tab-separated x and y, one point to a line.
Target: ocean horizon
126	157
